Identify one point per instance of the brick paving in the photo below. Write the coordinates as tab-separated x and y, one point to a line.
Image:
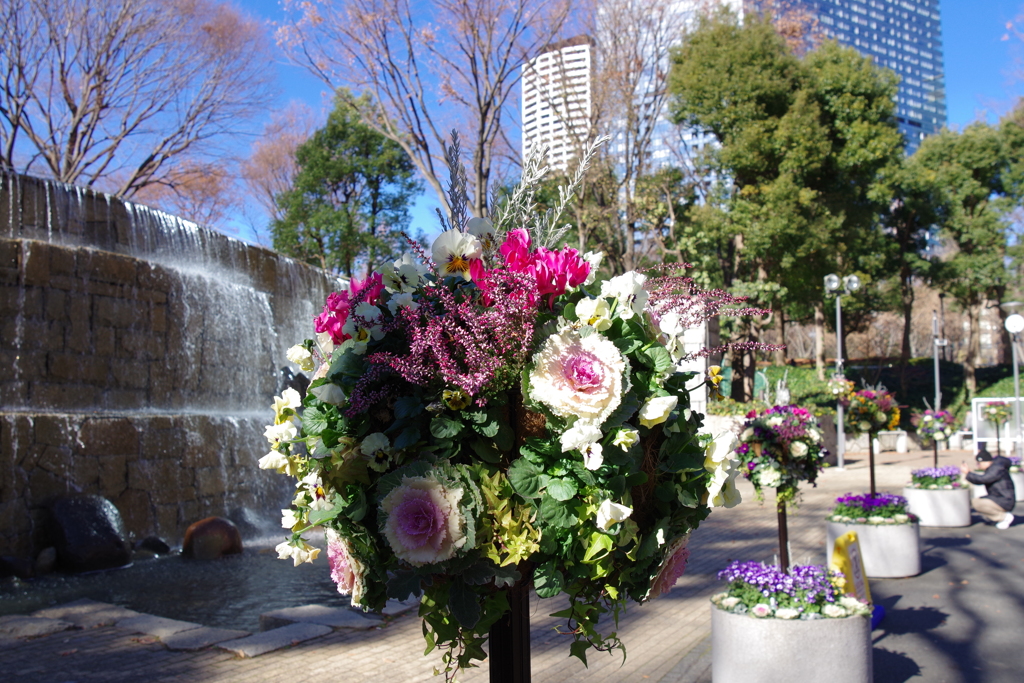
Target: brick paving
667	639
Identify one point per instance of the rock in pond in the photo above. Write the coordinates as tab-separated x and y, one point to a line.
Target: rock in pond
211	538
88	534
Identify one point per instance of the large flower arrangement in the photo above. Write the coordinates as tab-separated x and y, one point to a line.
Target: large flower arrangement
492	413
877	509
870	411
804	592
935	478
780	447
996	412
936	425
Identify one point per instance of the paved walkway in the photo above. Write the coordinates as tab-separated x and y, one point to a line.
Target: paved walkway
959	621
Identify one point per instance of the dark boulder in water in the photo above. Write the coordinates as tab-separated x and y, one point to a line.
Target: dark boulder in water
88	534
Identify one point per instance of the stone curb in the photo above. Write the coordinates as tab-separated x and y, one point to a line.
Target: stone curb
19	626
156	626
268	641
202	637
335	617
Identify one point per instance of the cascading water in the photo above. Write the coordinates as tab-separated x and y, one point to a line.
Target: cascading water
143	353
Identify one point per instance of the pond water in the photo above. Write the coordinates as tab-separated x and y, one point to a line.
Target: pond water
230	592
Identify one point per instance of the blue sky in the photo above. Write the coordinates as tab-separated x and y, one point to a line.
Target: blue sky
980	68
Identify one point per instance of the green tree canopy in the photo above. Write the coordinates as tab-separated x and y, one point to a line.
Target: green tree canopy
348	208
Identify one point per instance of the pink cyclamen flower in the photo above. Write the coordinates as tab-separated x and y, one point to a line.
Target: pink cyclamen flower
424	524
557	271
339	305
516	250
346	571
671	569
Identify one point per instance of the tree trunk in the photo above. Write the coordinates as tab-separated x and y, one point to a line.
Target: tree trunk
819	339
779	356
973	349
737	361
908	312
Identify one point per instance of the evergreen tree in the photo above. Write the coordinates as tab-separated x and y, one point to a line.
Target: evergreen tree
348	207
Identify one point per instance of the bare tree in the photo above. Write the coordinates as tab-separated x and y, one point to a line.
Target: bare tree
126	94
430	67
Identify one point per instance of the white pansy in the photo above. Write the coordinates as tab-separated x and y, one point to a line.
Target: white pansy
289	518
593	456
375	443
626	438
301	356
579	436
657	409
594	258
356	327
814	434
609	514
402	300
274	460
300	551
453	251
325	342
594	312
482	229
285	431
722	491
329	393
403	275
628	288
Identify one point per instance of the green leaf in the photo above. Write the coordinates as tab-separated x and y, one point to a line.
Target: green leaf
464	604
479	572
525	478
556	513
407	407
506	576
444	427
562	489
579	649
688	499
321	516
683	453
314	421
402	585
584	475
627	409
505	438
408	437
617	486
488	429
347	364
658	357
547	580
486	451
627	345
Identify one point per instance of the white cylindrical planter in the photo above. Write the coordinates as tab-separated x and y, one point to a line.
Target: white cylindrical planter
1018	485
889	551
940	507
745	649
978	490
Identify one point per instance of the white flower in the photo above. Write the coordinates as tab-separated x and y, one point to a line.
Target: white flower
285	431
579	376
403	300
374	444
798	449
482	229
299	550
579	436
452	252
594	312
852	604
329	393
787	613
775	420
770	477
404	275
730	602
274	460
626	438
875	519
657	409
722	491
301	356
424	524
901	518
761	610
628	288
747	433
311	485
325	342
609	514
289	518
594	259
593	456
834	611
814	434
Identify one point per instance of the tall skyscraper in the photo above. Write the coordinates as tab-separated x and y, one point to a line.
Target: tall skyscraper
902	35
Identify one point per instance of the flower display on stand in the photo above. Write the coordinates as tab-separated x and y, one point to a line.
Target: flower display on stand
779	448
804	592
865	508
996	412
870	411
935	478
936	425
493	413
1015	461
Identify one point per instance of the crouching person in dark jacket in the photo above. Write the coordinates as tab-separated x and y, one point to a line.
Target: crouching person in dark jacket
997	506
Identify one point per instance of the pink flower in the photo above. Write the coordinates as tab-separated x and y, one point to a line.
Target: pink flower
346	570
557	271
424	524
516	250
336	311
671	569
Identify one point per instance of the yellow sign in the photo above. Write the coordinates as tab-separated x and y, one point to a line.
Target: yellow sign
846	558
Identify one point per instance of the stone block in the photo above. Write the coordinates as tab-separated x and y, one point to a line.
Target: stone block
54	430
210	481
19	626
112	475
125	399
151	276
63	262
36	265
167	522
119	313
44	487
10	298
71	367
103	341
140	346
127	374
14	394
109	436
56	460
156	626
61	396
164	479
55	304
268	641
109	267
335	617
158	318
202	637
163	443
136	512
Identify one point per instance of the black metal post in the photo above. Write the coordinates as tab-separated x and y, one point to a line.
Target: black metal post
509	639
935	452
871	459
783	537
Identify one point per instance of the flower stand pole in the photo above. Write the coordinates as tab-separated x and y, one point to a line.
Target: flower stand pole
509	639
783	537
935	453
871	460
940	507
889	551
746	649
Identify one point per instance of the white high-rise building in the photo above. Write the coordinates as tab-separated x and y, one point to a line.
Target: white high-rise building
556	100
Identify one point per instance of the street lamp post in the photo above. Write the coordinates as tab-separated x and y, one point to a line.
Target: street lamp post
1015	325
937	342
850	283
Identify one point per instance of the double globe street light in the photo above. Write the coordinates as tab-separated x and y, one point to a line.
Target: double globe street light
850	284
